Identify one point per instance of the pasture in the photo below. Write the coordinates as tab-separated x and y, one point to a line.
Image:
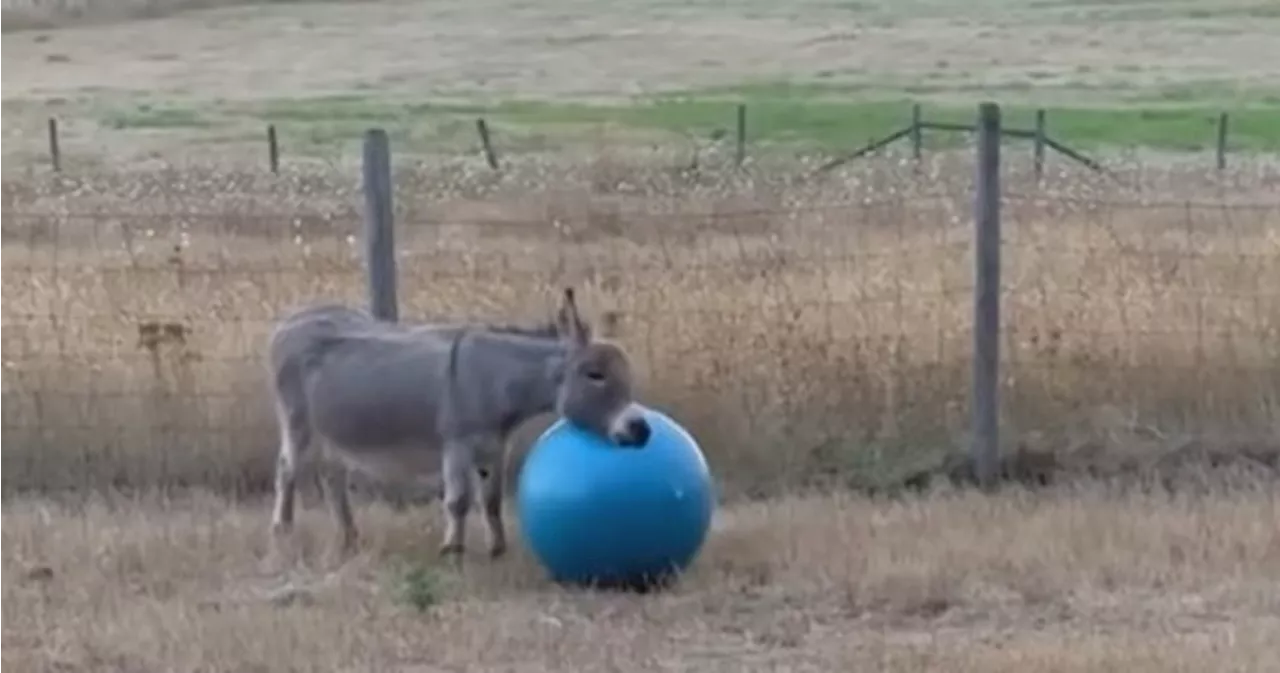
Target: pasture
813	331
1079	581
576	77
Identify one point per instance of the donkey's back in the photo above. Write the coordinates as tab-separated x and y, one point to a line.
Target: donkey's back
365	385
304	335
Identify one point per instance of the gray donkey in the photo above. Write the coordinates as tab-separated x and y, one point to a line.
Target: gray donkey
416	401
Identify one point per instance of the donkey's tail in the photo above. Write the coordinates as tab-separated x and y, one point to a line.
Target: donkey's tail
289	389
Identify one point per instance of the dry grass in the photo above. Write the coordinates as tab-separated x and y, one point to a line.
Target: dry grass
1073	581
808	331
804	331
207	82
623	47
20	15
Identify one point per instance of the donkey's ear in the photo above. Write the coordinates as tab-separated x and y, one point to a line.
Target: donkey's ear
569	321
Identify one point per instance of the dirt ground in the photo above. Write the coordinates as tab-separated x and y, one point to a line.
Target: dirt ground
1079	581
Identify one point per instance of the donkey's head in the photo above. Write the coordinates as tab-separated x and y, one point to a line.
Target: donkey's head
596	390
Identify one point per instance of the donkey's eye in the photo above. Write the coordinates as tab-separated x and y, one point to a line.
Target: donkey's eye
595	375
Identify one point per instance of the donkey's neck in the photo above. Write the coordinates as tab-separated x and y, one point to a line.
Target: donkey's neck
543	371
512	376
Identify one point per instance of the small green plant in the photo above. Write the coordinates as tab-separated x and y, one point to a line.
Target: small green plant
420	587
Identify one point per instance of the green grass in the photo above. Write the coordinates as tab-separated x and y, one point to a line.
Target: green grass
811	115
828	116
146	116
832	118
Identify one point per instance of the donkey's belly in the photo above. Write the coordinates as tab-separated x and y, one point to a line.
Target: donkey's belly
409	463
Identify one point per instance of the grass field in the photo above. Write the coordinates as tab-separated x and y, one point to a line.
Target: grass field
816	75
1071	582
813	331
802	118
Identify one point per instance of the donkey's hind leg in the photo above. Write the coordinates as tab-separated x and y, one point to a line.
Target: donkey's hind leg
458	463
490	469
295	437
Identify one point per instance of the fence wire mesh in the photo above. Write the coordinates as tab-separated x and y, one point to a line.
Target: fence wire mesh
1154	321
798	341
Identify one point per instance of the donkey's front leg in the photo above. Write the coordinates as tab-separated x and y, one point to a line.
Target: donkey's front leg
459	460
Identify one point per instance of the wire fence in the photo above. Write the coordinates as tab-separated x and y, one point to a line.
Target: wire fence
799	343
1142	321
1214	132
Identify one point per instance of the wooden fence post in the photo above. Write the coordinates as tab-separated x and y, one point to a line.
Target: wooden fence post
273	149
379	226
984	397
917	134
1037	157
741	154
55	152
1222	141
486	143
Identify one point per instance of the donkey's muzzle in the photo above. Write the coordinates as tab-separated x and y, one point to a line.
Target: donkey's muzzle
636	434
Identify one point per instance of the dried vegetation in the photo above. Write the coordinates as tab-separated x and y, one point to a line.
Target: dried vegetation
21	15
807	329
810	331
1076	581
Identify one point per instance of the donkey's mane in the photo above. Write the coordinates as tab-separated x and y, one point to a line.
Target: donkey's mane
545	330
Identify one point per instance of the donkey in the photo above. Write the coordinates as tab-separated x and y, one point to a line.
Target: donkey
416	401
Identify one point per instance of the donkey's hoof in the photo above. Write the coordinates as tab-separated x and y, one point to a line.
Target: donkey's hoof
345	547
451	549
497	551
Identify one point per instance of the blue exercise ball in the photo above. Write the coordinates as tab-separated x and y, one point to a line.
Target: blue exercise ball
594	513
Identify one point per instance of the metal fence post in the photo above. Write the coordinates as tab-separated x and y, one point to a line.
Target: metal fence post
1222	141
984	399
741	135
486	143
273	149
379	226
1037	157
55	151
917	133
